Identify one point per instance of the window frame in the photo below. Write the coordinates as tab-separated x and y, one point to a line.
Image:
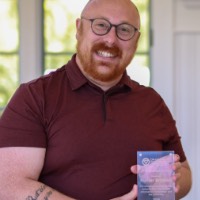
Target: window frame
31	52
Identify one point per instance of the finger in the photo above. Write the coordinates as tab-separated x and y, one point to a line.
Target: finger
177	188
131	195
176	177
176	158
177	166
134	169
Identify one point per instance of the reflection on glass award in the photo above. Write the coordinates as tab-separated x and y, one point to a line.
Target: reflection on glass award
155	175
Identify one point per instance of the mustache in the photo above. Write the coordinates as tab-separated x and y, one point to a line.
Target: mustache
114	49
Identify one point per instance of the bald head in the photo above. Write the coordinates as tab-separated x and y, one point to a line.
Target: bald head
121	9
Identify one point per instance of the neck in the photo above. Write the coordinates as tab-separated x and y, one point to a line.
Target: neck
103	85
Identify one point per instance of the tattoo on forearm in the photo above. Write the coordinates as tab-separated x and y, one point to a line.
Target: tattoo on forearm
38	192
48	195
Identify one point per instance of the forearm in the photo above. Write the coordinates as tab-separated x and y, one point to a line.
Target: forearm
31	190
44	192
184	182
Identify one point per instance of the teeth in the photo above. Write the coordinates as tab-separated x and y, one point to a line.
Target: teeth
105	54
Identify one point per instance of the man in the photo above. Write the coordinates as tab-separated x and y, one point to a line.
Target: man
74	133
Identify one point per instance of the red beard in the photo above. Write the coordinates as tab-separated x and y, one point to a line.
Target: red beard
89	65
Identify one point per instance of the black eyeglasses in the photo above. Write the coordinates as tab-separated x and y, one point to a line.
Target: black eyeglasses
102	27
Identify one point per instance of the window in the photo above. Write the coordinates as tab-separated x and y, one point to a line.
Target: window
60	42
9	44
58	37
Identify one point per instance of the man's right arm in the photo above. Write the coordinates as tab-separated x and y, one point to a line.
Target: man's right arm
20	168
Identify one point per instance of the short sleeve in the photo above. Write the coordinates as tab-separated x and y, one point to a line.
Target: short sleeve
174	141
22	123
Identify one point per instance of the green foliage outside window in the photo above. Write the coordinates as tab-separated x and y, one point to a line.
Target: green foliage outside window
9	43
59	32
143	7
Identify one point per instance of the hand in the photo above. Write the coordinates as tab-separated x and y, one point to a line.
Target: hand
177	172
129	196
167	169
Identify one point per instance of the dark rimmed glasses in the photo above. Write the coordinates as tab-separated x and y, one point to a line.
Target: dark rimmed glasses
101	27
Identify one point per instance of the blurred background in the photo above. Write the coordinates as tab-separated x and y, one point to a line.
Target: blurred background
38	36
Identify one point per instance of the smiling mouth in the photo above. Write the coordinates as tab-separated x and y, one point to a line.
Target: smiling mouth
106	54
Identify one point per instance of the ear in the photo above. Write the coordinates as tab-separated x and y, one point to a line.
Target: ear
78	24
138	34
137	37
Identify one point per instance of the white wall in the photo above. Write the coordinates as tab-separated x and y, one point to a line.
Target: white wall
176	72
30	14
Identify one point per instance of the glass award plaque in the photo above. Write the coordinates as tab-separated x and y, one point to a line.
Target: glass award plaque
155	175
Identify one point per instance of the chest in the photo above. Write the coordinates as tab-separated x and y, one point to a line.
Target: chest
101	126
95	140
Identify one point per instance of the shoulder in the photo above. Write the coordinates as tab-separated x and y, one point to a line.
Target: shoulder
35	94
147	99
46	80
144	92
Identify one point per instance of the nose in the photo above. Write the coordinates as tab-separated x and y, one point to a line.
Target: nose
111	37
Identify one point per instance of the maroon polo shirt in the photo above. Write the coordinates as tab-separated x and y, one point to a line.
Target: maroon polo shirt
91	136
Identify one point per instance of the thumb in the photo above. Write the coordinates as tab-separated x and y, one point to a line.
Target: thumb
132	194
135	191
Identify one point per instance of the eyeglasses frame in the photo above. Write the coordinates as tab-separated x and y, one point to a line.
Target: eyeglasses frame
111	25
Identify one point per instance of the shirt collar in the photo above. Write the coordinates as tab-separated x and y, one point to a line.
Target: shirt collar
75	76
